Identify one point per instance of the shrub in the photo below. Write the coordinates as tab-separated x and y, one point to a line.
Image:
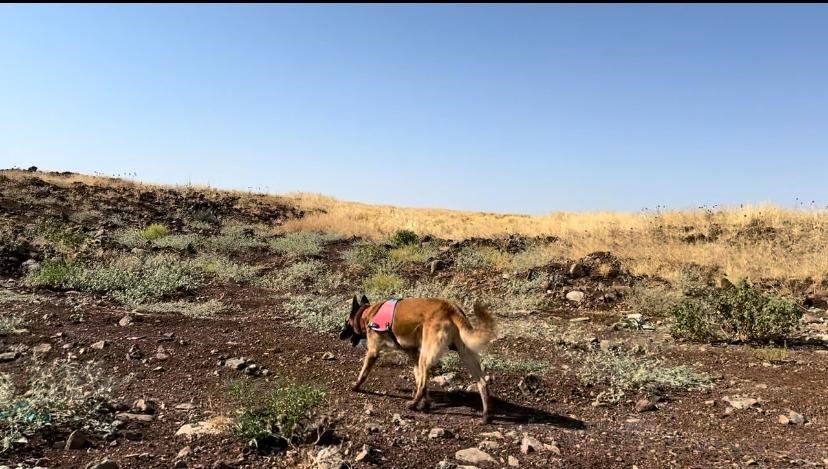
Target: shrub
621	373
403	238
224	269
59	394
62	237
179	242
265	411
471	258
365	254
153	232
383	285
654	301
741	312
206	309
131	280
413	253
301	243
319	313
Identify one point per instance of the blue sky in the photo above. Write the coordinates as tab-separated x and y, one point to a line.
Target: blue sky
525	109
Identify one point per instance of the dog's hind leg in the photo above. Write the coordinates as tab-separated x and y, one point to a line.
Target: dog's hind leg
471	360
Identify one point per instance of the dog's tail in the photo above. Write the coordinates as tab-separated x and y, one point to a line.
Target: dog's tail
476	338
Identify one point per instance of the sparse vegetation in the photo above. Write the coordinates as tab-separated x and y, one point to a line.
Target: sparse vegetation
301	244
58	394
153	232
224	269
366	255
477	258
319	313
741	312
621	373
653	301
206	309
383	285
266	411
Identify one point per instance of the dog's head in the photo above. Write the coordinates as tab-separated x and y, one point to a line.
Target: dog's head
348	330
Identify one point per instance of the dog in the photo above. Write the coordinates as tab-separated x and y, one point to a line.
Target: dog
423	328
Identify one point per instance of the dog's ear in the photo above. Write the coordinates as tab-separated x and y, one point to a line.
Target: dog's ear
365	300
354	306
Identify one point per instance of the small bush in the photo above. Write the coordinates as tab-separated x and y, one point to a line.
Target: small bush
772	354
383	285
476	258
301	243
62	237
319	313
366	255
265	411
59	394
179	242
738	313
413	253
205	215
209	308
54	273
621	373
451	362
224	269
154	231
404	238
655	301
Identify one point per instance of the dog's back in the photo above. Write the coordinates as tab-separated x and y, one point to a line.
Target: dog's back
415	314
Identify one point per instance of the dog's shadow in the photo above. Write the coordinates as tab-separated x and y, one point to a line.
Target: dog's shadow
449	403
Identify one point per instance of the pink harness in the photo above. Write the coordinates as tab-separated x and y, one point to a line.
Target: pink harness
382	321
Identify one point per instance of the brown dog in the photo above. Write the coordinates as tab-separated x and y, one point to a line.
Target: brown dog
424	328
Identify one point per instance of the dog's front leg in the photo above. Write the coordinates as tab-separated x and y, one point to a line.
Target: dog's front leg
367	365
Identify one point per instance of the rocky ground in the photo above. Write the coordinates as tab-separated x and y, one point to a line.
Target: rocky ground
171	371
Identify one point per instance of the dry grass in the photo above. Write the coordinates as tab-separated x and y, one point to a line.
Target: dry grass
753	242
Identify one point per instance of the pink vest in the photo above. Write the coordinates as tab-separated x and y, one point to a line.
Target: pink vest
381	322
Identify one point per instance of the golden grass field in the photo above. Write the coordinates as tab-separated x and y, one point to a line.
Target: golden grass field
754	242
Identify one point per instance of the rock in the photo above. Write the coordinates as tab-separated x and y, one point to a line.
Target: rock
740	403
135	353
369	409
488	445
445	464
161	354
130	417
645	405
125	321
372	427
185	406
77	440
329	458
143	406
435	266
783	419
494	434
8	356
42	349
529	444
578	270
580	319
530	385
236	363
397	419
105	464
184	453
796	418
213	426
605	345
575	296
437	432
444	379
364	454
328	356
553	448
99	345
513	461
31	265
474	456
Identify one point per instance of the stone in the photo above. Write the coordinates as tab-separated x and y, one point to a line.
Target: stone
397	419
575	296
328	356
444	379
796	418
474	456
125	321
99	345
364	454
130	417
236	363
494	434
8	356
213	426
578	270
740	403
445	464
42	349
78	439
184	453
512	461
105	464
435	266
437	432
488	445
144	406
529	444
329	458
31	265
645	405
185	406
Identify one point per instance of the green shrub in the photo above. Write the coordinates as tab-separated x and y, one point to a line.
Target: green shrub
413	253
741	312
62	237
383	285
301	243
318	313
224	269
621	372
265	410
131	280
57	394
154	231
404	238
365	254
471	258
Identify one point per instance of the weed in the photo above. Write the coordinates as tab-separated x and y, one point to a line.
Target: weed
153	232
403	238
206	309
224	269
265	411
414	253
300	243
653	301
383	285
480	258
315	312
366	255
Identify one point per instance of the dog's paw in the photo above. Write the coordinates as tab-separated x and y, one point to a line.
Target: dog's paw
426	406
412	405
487	419
355	387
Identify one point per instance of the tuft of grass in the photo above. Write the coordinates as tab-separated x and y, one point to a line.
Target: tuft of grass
153	232
131	280
180	242
224	269
301	243
621	373
536	255
383	285
480	258
772	354
207	309
58	394
740	312
403	238
366	255
653	301
266	411
496	362
318	313
414	253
